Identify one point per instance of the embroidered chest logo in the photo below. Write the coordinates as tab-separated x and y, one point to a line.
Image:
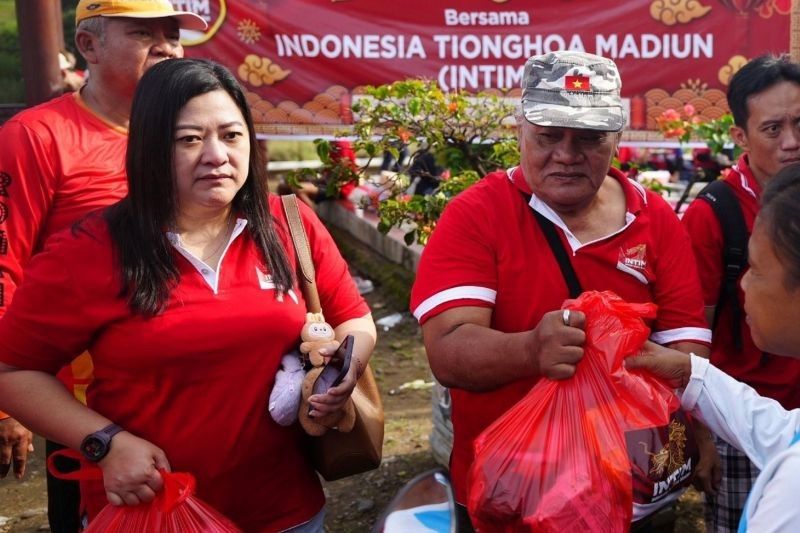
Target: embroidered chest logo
264	279
635	257
265	283
633	261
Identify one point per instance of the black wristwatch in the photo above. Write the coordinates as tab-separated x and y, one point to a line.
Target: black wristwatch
96	445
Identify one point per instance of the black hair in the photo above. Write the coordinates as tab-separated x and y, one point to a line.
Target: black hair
139	221
757	76
780	217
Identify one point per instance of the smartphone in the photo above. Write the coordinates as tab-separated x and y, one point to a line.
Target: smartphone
336	369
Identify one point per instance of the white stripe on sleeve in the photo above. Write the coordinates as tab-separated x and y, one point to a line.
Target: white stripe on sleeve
466	292
680	335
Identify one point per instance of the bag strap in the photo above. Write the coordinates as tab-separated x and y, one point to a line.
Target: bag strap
550	233
723	202
302	248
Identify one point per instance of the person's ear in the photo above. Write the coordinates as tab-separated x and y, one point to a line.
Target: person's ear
87	44
739	136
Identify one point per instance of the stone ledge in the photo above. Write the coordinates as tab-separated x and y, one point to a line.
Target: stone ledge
364	228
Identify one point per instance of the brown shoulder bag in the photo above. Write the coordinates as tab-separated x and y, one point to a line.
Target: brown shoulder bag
336	455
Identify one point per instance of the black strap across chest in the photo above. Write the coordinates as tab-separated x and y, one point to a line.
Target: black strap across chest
560	253
720	196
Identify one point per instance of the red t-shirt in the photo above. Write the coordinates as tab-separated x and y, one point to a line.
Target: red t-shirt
488	250
194	380
771	375
58	161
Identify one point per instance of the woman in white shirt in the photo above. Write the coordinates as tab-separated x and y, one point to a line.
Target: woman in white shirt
760	427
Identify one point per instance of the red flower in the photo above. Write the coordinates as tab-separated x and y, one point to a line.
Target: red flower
404	134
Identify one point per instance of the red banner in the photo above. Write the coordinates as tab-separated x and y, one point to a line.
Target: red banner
302	61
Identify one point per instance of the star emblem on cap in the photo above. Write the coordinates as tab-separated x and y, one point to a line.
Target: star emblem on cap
577	83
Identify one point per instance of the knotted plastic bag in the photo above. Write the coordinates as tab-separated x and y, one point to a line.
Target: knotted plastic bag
557	461
175	508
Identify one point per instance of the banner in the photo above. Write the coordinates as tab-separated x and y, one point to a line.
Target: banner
302	61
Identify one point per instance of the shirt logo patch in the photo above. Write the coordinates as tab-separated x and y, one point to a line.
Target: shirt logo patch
635	257
265	283
264	279
633	261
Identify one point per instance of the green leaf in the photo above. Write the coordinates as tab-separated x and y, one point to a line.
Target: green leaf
323	150
414	105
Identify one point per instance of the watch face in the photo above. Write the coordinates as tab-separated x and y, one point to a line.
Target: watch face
94	448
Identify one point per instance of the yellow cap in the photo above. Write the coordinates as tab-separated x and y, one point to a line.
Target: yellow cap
142	9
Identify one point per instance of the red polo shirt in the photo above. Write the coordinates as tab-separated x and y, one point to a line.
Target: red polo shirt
488	250
194	380
771	375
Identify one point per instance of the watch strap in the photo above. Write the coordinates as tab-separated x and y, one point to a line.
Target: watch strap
111	430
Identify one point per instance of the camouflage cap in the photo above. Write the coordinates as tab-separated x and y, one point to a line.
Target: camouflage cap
572	90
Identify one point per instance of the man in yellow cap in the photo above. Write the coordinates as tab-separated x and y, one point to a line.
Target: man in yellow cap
66	157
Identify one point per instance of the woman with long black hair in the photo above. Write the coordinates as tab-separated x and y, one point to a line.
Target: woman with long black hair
184	293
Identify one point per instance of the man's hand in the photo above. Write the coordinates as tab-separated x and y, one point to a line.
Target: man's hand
130	470
708	474
555	347
16	442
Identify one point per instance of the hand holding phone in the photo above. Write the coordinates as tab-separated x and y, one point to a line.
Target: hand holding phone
337	368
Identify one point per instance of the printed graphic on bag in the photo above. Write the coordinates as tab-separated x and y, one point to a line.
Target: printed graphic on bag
662	460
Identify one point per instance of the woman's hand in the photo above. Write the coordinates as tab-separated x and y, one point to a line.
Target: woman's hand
130	470
337	396
672	366
363	331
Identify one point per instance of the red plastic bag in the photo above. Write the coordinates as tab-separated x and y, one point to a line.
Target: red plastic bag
558	460
175	509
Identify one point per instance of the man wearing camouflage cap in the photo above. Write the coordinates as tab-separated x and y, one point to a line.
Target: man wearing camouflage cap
489	289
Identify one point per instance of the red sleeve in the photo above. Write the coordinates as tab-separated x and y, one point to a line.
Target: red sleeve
458	266
677	293
26	193
707	242
338	293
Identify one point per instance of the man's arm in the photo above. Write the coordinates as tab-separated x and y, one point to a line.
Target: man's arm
711	311
705	234
464	352
23	204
